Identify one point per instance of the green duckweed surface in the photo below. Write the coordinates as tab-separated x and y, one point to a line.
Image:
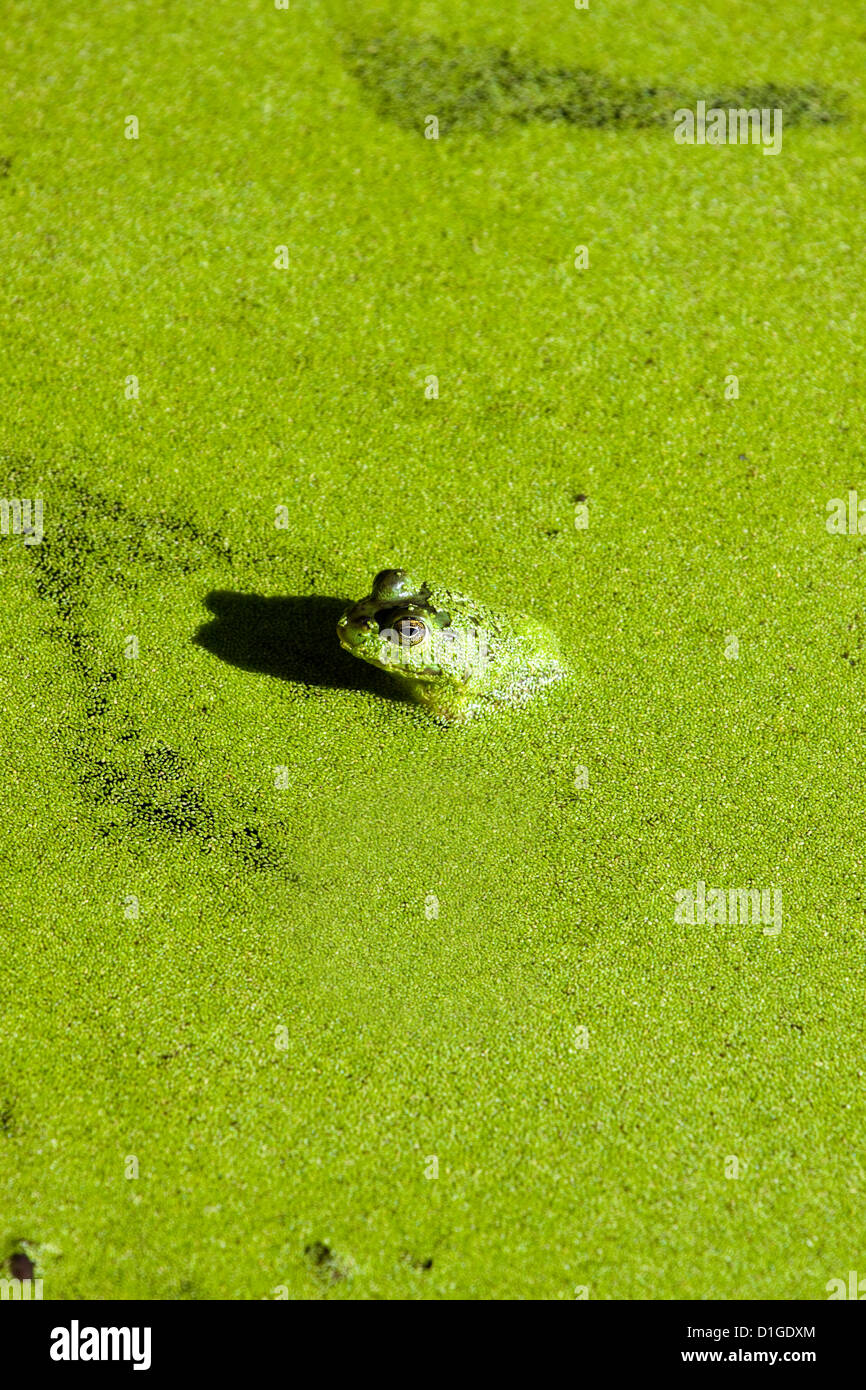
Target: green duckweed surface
274	949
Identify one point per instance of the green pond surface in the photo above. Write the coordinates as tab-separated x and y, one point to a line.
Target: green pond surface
306	995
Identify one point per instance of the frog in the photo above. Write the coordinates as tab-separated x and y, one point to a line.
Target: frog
453	656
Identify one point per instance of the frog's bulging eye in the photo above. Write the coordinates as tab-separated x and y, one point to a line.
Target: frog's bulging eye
392	584
409	629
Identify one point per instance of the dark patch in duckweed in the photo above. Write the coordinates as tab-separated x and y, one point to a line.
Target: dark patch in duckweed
416	1262
467	88
21	1266
95	537
324	1264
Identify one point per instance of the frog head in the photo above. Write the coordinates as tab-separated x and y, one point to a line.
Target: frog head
399	628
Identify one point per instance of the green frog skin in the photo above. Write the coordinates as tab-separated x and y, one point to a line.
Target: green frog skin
452	655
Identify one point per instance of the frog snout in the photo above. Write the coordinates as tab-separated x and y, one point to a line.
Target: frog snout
355	630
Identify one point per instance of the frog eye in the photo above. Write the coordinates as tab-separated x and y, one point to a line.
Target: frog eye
410	630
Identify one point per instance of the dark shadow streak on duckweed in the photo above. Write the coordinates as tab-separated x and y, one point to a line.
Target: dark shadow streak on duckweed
94	533
293	638
466	88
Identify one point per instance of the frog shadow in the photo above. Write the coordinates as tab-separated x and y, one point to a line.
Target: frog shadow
293	638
